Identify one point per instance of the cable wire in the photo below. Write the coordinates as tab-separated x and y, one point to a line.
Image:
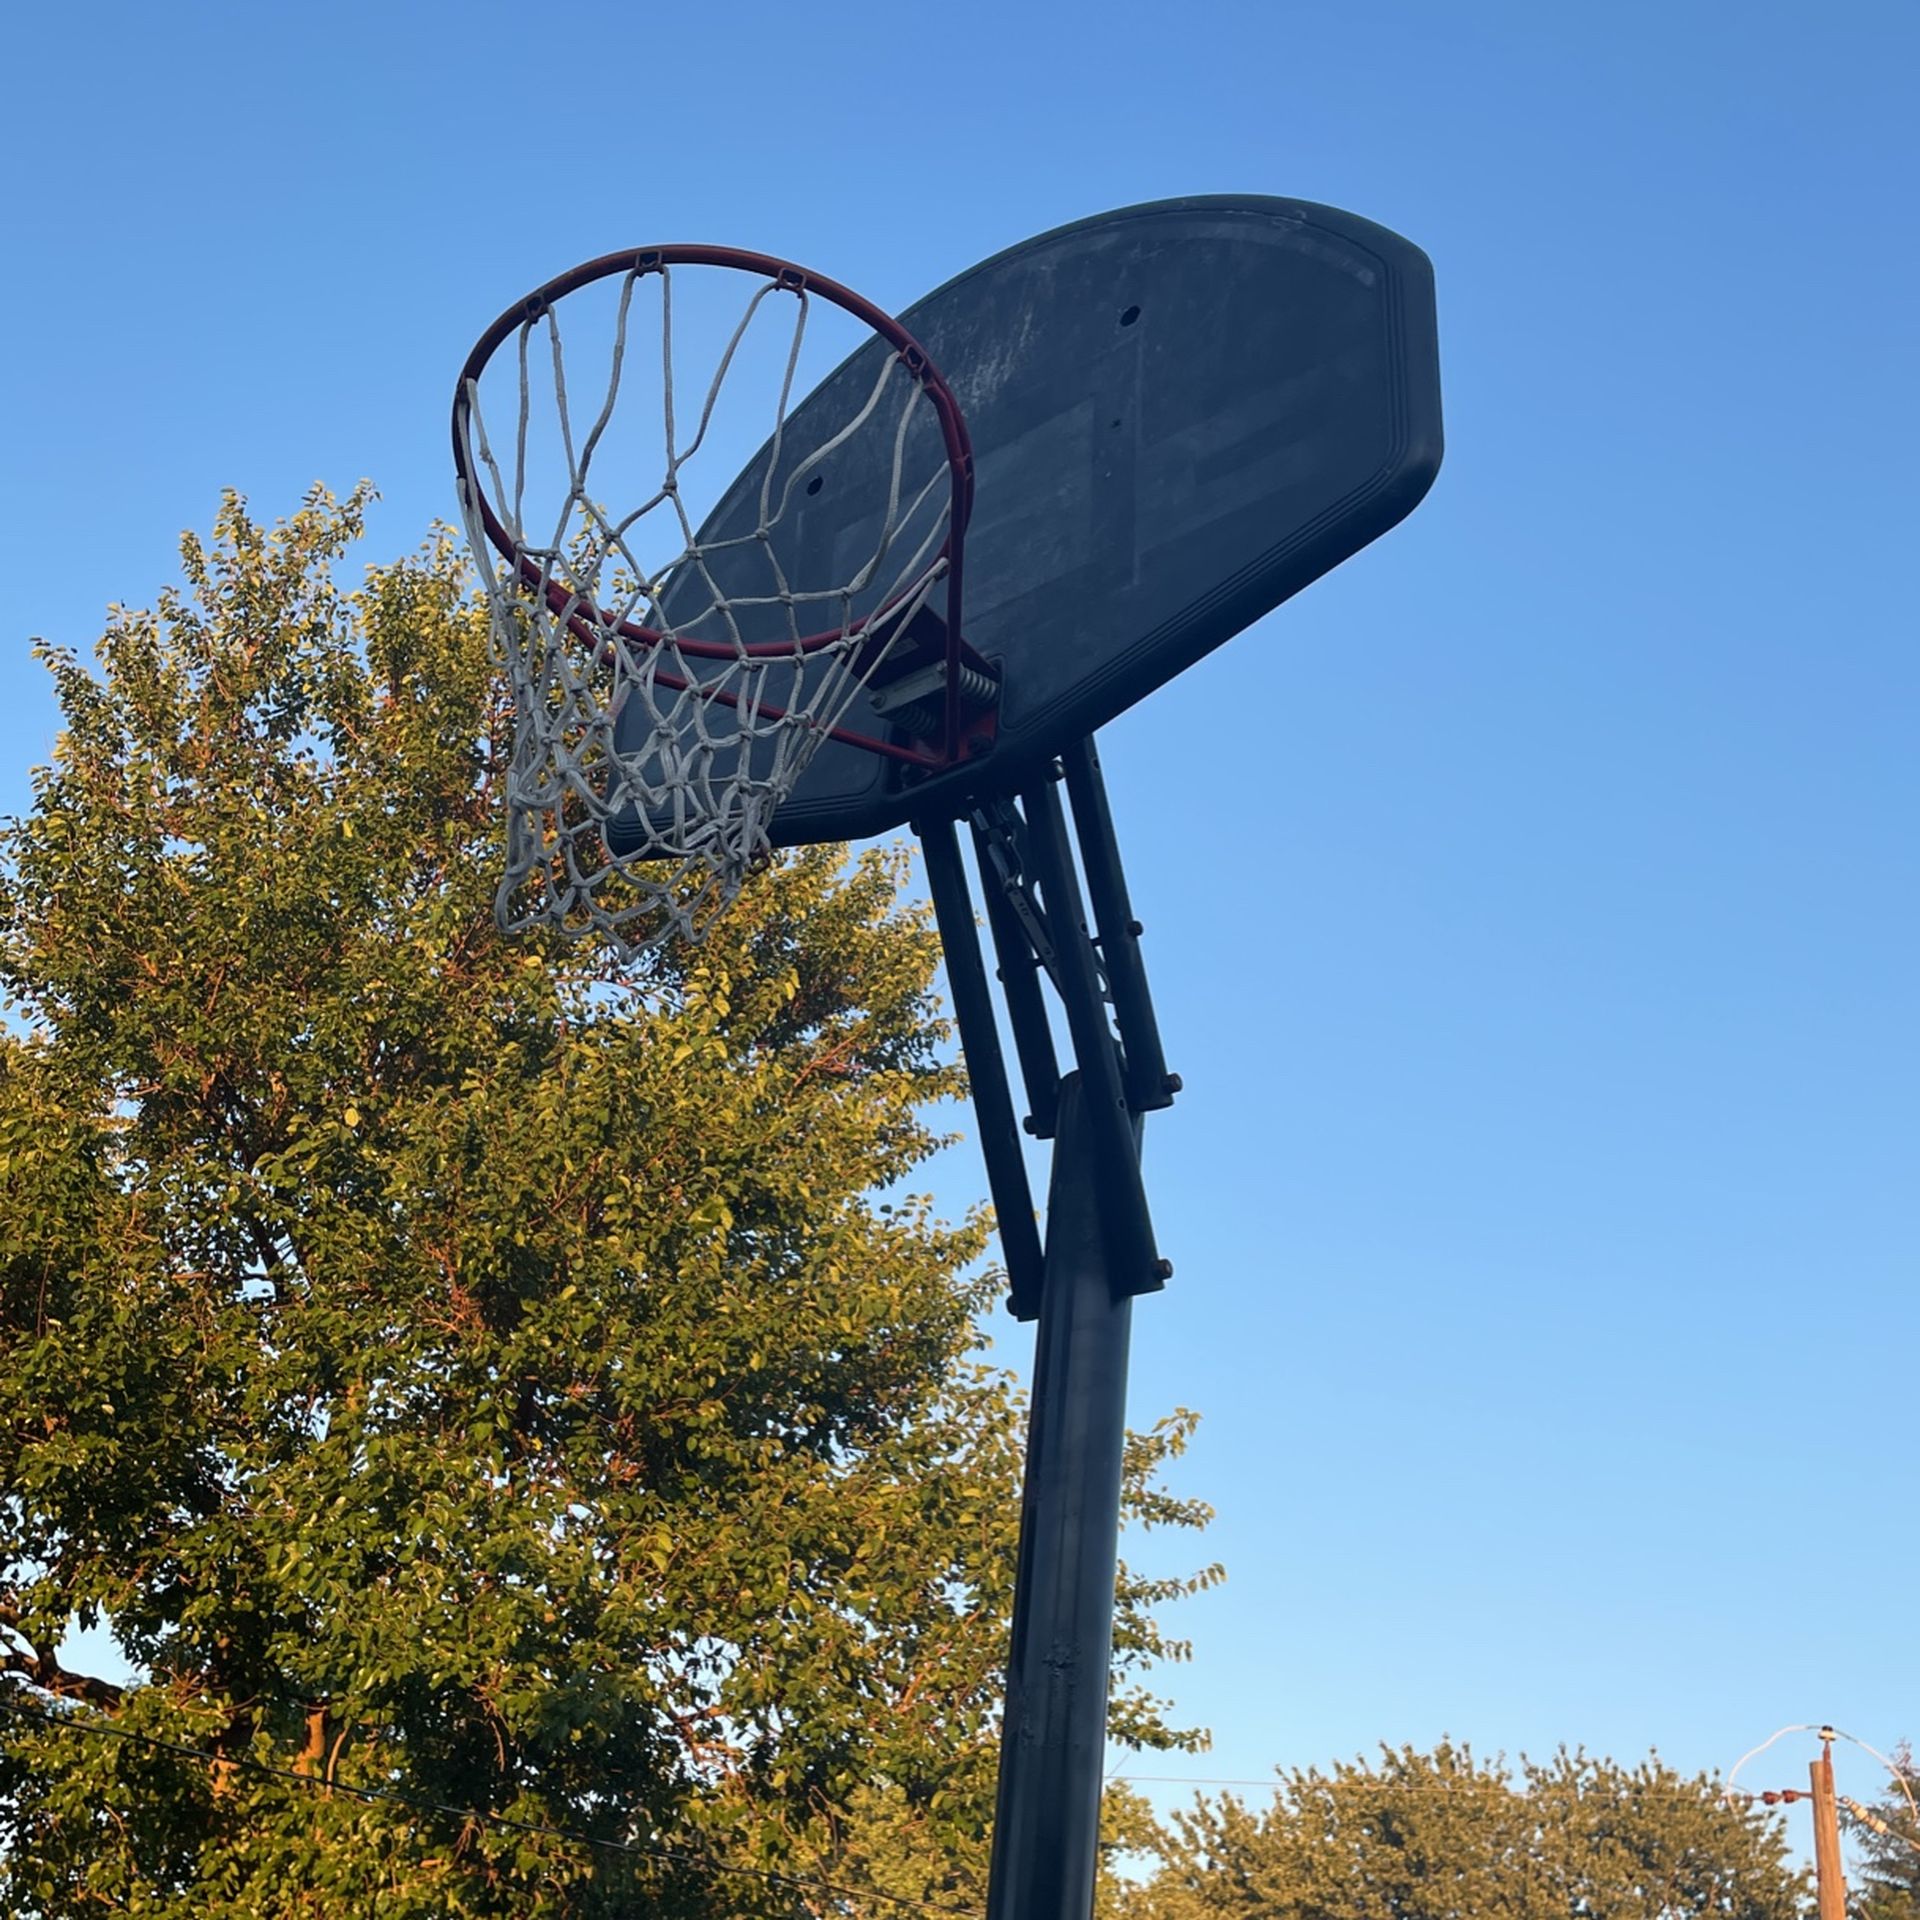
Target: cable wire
676	1856
1799	1726
1868	1818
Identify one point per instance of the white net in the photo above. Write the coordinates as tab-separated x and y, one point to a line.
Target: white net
674	670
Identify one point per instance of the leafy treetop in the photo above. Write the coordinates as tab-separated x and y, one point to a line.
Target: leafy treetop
1444	1836
450	1369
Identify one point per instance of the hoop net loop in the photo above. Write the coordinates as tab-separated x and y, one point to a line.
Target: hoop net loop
669	689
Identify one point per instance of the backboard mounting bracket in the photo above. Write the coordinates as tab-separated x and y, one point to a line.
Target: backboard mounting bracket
1039	923
1002	833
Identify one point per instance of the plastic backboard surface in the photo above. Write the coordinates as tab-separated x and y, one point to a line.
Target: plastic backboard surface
1181	414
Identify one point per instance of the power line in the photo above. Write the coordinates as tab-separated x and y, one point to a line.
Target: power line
1276	1781
1187	1780
10	1702
1371	1782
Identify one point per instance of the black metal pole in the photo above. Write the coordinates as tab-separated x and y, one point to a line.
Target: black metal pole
986	1066
1149	1084
1046	1830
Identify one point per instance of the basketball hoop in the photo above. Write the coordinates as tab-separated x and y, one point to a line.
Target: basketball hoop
1187	412
664	707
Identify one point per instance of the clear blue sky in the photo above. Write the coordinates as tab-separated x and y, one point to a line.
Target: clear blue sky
1542	969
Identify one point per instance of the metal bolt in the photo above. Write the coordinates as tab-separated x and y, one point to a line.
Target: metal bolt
1027	1126
1174	1084
1135	928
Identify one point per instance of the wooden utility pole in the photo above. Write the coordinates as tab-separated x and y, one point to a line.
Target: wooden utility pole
1828	1872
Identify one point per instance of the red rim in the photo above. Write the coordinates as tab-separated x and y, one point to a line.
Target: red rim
786	276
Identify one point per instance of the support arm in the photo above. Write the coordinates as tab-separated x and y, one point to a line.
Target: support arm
986	1066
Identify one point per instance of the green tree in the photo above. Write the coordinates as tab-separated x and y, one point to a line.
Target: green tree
450	1369
1885	1839
1443	1836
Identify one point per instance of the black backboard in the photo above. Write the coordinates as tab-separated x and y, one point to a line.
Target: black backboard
1181	414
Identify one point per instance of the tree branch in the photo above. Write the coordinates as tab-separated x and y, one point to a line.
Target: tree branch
47	1673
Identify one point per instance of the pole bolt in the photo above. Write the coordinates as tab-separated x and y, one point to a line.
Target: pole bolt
1174	1084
